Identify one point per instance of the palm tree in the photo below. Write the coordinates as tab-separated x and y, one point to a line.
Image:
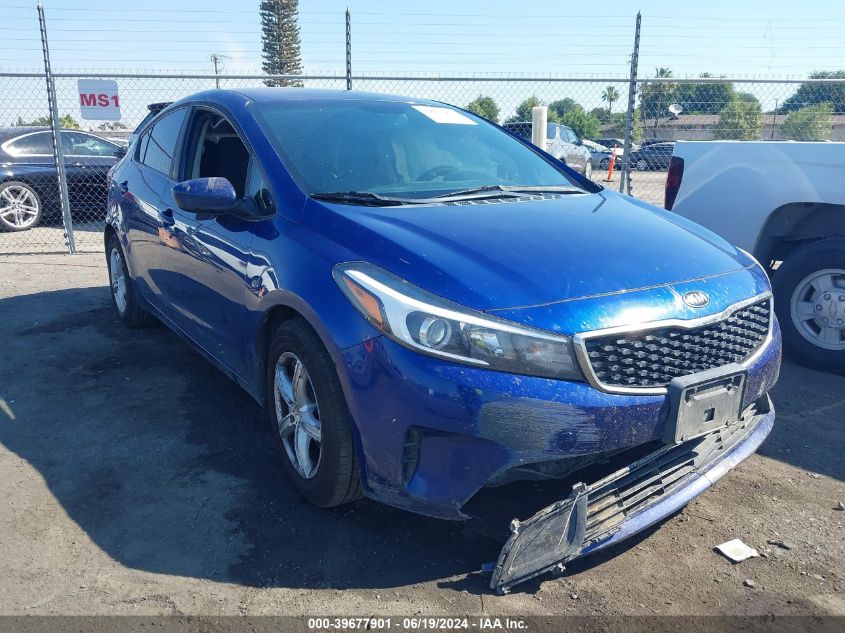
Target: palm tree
654	96
610	95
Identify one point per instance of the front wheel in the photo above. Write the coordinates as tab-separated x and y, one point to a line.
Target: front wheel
605	163
642	164
309	417
588	170
810	304
20	206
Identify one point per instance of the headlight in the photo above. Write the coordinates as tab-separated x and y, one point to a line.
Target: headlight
429	324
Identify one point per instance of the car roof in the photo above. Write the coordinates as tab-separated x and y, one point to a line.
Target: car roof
297	94
7	133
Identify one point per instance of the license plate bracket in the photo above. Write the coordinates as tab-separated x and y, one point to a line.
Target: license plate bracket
703	402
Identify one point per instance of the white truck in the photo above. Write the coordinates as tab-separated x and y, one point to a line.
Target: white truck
783	202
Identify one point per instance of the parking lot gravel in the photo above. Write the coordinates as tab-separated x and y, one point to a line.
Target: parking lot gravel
137	479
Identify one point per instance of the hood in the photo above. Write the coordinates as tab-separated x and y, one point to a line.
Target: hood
515	254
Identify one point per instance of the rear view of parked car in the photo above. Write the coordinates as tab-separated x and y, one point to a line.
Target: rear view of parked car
430	308
652	156
29	190
561	142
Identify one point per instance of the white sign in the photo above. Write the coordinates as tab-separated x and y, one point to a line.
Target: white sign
98	99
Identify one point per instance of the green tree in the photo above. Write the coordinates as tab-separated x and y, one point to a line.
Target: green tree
485	107
583	124
610	95
559	108
523	110
67	121
112	125
603	115
746	96
740	120
654	98
703	97
813	94
810	123
280	41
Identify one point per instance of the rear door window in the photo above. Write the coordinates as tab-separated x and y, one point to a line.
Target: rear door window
158	146
38	144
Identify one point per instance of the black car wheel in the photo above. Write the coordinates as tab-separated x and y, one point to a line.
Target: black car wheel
20	206
605	163
642	164
309	417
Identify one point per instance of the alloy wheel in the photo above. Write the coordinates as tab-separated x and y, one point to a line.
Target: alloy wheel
817	308
298	415
117	279
18	206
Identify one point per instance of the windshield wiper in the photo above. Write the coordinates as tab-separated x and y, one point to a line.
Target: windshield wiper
362	197
509	190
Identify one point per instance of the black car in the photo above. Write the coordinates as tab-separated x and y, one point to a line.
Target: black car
29	189
653	156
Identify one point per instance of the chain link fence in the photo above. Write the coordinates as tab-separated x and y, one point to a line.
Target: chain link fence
665	110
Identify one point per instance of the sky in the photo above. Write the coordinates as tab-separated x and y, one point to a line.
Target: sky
438	37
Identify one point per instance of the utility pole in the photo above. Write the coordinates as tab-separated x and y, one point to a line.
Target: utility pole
216	59
348	50
58	152
629	118
774	119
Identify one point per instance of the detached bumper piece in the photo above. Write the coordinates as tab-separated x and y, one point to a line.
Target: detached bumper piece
591	515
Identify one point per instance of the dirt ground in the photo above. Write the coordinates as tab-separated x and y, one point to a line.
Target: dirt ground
137	479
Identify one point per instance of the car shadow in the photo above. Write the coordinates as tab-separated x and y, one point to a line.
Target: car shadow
168	466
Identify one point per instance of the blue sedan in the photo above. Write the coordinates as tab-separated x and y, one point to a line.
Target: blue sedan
430	308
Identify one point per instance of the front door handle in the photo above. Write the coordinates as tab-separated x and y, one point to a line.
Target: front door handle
167	217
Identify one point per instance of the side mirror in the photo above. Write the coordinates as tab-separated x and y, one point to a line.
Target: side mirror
120	152
214	196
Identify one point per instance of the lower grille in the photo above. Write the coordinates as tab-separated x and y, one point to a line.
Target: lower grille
653	358
632	489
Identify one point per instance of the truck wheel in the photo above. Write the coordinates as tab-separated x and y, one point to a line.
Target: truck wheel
309	418
809	292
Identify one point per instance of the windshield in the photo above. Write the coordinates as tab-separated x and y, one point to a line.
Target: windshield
398	149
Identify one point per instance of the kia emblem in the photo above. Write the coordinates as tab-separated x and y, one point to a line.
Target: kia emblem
696	299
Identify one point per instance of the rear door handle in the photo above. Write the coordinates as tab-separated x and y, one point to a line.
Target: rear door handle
167	217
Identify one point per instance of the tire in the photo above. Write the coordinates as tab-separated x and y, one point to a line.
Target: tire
123	296
20	206
809	290
642	165
325	471
588	170
604	164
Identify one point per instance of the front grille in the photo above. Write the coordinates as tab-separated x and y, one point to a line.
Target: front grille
653	358
646	481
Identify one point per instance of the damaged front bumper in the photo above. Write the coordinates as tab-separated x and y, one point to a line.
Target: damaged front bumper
627	501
